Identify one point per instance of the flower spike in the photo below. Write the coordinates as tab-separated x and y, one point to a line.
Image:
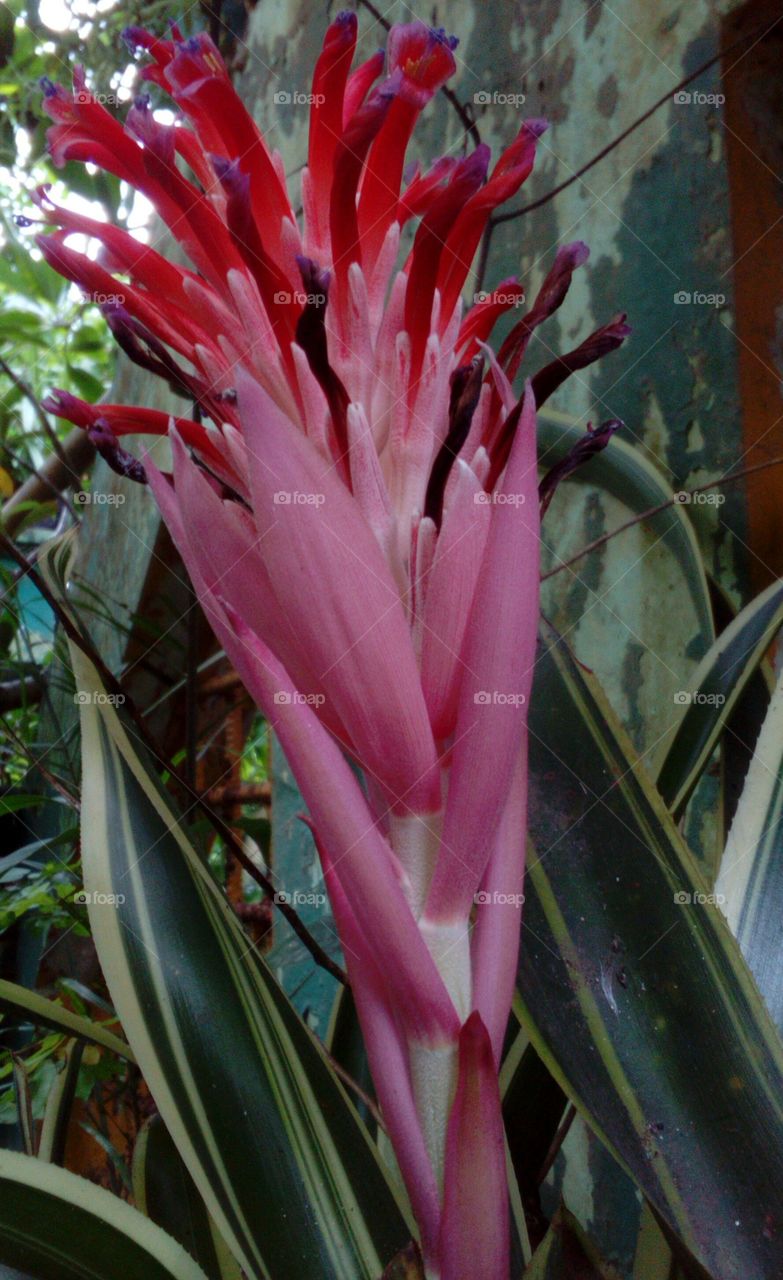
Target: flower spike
358	511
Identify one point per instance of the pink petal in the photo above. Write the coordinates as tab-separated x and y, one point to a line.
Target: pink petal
361	858
222	548
333	584
499	655
449	587
474	1238
388	1058
326	114
495	939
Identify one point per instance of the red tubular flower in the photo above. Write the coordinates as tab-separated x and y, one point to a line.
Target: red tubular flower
359	514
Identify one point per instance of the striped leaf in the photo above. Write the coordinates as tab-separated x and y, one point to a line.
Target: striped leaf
41	1012
750	881
635	993
164	1191
57	1226
717	685
264	1127
59	1101
24	1103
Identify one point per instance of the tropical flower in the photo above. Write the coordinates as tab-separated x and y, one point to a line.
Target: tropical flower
356	500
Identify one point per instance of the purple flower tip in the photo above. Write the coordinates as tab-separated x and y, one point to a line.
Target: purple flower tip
439	34
130	38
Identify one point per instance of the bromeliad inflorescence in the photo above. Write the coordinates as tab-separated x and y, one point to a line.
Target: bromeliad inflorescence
357	505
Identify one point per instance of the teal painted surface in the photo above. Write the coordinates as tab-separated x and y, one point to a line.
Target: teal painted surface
30	605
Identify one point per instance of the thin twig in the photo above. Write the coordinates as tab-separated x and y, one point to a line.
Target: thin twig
610	146
50	479
557	1142
55	783
348	1080
655	511
32	399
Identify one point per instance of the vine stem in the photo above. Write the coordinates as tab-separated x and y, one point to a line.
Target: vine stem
761	30
655	511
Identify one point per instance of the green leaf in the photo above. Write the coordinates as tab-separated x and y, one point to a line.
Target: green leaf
345	1043
262	1123
624	472
57	1226
164	1191
46	1013
54	1130
24	1103
750	882
641	1005
716	686
86	383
